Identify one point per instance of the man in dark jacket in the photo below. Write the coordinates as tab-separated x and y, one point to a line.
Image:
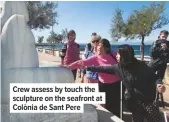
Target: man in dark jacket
160	55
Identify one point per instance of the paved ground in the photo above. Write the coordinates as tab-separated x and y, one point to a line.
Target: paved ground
56	60
47	57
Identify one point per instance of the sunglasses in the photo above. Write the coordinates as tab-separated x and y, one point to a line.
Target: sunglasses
95	41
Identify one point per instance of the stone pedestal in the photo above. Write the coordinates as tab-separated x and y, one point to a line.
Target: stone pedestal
33	75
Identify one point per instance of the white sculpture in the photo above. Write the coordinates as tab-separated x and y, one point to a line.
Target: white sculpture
19	61
18	44
19	56
11	8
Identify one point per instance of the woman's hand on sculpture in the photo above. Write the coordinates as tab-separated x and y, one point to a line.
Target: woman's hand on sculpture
161	88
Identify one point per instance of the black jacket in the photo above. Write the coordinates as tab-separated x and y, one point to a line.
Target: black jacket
158	55
140	81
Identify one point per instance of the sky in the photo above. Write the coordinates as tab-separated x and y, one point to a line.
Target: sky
87	17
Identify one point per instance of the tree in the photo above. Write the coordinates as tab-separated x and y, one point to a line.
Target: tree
51	37
54	38
42	15
64	34
117	25
139	24
51	40
59	38
40	39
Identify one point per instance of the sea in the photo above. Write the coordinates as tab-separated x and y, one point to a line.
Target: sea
113	47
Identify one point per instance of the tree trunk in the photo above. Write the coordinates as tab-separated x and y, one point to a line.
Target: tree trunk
53	51
50	48
142	48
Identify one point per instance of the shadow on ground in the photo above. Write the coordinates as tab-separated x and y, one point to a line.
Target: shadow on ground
106	116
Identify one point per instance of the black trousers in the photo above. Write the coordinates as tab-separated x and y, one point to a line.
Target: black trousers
112	92
74	73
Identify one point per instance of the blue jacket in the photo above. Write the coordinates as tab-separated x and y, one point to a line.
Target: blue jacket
89	74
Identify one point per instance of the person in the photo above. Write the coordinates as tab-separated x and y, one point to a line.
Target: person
108	83
90	50
86	47
71	51
63	53
139	81
92	77
160	55
83	71
160	58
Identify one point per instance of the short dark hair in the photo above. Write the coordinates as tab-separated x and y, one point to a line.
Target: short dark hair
165	32
71	31
94	34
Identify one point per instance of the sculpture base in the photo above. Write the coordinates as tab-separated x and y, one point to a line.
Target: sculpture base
89	115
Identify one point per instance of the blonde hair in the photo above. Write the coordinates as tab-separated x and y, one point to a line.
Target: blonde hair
96	37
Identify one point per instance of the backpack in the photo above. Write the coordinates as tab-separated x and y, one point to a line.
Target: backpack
86	56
